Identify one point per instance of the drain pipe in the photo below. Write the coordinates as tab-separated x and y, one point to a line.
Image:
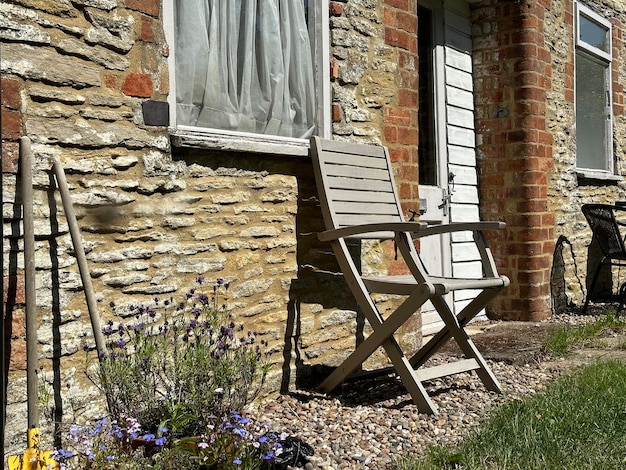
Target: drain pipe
79	251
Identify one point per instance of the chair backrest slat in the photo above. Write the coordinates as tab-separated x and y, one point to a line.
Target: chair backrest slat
358	184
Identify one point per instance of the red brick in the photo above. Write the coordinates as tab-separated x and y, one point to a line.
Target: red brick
337	115
336	8
334	69
399	154
407	22
391	134
405	190
14	293
11	124
138	84
408	97
149	7
17	360
389	17
10	93
400	116
408	172
147	33
110	81
407	136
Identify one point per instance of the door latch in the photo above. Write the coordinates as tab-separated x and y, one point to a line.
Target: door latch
447	195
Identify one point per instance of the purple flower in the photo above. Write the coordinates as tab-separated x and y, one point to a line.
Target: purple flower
200	280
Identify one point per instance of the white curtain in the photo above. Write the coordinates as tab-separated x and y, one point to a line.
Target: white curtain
244	65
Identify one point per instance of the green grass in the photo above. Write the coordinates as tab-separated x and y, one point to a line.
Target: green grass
578	422
563	339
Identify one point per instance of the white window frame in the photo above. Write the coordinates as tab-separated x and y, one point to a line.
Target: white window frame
189	136
604	58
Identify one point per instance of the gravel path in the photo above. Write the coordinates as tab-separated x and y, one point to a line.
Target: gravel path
367	425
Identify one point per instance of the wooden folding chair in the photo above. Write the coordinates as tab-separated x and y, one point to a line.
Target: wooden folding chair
359	201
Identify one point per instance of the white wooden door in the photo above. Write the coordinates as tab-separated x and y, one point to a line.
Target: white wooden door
448	187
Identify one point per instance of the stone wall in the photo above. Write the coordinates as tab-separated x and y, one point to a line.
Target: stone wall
76	79
567	189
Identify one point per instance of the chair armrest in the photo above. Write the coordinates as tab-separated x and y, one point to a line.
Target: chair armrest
459	227
353	230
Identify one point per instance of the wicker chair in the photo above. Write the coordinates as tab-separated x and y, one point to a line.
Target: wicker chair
606	231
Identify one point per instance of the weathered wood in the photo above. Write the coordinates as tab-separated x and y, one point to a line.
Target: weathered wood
359	199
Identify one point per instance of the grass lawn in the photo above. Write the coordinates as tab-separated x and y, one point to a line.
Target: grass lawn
578	422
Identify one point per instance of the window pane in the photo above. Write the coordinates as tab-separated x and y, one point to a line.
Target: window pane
426	149
591	109
594	34
244	66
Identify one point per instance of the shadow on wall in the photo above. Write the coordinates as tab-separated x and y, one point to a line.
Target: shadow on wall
318	285
565	269
564	266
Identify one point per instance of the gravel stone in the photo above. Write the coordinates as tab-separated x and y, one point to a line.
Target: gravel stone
367	425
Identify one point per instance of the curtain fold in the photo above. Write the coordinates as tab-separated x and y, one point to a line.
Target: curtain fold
244	65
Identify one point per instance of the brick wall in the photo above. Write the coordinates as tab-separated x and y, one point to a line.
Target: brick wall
524	69
513	71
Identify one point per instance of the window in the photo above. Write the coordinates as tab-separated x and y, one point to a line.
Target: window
248	70
427	151
594	149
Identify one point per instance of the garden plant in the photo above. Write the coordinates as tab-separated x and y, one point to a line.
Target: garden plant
176	377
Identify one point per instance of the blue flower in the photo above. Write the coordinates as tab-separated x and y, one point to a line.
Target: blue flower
237	462
160	441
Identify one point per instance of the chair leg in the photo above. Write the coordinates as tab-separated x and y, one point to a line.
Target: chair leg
454	328
463	317
467	345
596	274
382	332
